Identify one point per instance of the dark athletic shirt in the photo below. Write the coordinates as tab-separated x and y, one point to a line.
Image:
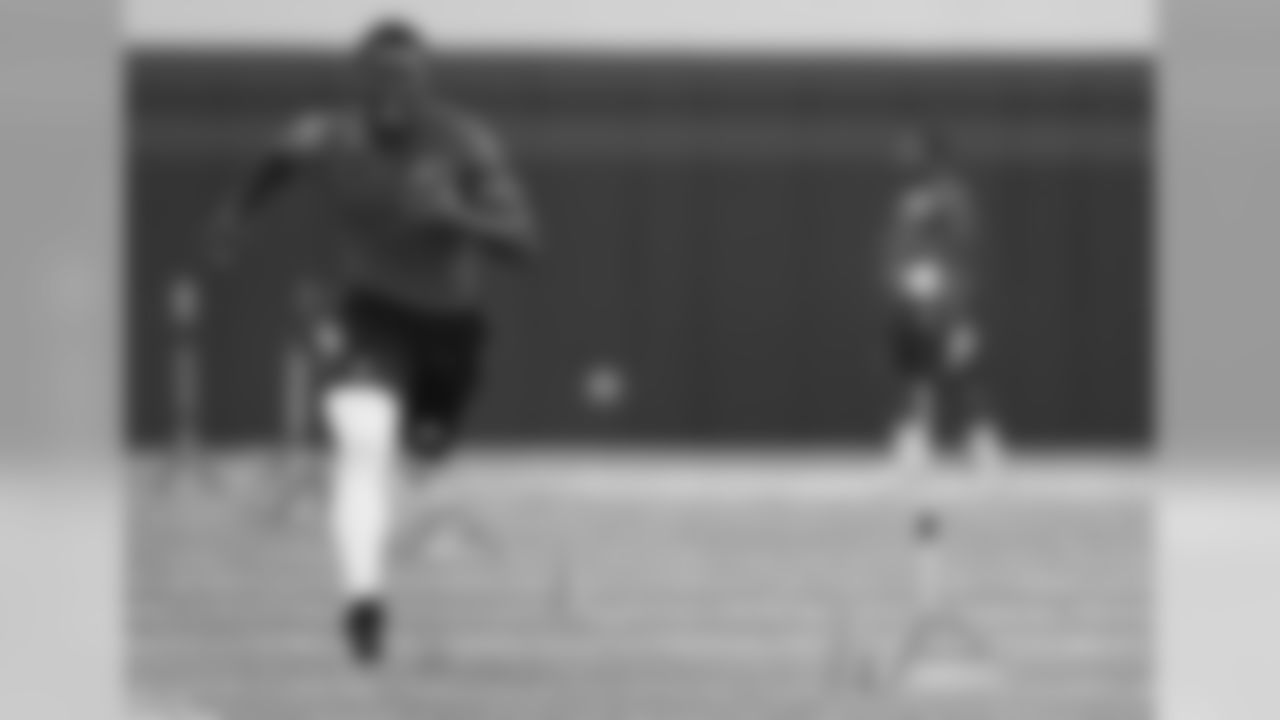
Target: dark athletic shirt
374	197
933	250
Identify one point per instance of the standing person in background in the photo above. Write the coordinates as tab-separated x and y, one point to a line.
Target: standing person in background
424	202
933	271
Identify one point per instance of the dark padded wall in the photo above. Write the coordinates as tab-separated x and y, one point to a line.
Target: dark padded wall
710	225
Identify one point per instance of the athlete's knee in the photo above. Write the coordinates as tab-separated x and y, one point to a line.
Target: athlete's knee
363	416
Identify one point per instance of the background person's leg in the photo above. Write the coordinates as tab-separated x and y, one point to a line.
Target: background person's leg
915	358
970	421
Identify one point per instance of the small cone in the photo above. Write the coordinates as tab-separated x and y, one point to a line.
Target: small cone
453	536
946	656
950	677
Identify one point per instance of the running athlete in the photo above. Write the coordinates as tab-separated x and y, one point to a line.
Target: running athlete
424	203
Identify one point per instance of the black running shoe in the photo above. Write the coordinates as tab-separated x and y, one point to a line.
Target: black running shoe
365	628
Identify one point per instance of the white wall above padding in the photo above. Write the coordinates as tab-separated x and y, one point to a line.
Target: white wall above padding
686	25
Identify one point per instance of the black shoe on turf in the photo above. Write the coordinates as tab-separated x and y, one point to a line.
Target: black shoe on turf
365	627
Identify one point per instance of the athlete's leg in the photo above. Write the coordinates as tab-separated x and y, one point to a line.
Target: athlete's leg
362	408
442	384
364	415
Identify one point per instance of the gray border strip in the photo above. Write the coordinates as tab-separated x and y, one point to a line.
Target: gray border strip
60	288
1220	270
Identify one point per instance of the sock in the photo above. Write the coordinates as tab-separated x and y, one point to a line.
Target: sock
363	418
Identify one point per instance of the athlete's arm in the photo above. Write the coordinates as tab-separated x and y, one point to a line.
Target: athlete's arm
274	171
497	212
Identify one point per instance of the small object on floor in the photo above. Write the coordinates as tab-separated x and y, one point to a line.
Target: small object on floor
444	534
950	678
365	626
946	657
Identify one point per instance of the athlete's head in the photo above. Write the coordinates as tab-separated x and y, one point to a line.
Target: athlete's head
394	72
